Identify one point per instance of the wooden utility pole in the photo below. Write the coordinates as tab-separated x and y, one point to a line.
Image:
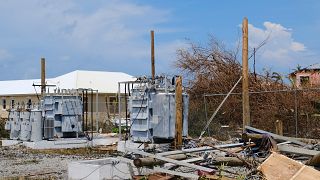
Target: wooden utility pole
178	138
43	76
245	75
152	55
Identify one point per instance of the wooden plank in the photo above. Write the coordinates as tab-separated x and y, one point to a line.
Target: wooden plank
181	163
280	167
307	173
275	136
296	150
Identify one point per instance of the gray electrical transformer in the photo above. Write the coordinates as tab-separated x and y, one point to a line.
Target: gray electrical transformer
153	111
59	116
62	116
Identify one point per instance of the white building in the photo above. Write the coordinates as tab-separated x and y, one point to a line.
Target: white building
22	92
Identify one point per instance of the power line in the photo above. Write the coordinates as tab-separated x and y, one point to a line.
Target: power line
260	92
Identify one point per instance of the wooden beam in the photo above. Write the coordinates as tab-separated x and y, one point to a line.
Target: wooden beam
152	55
43	76
279	127
178	137
296	150
181	163
275	136
147	161
245	75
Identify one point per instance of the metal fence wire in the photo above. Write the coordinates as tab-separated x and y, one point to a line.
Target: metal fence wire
298	109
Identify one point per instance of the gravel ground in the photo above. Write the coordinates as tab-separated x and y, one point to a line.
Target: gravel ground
17	161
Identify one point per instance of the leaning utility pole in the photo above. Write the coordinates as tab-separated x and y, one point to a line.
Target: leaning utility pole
245	75
43	76
152	55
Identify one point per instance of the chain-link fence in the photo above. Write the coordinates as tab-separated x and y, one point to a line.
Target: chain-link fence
298	109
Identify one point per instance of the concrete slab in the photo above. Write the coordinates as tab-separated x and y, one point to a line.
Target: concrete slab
108	168
10	142
64	143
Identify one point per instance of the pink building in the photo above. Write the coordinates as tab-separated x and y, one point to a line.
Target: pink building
306	77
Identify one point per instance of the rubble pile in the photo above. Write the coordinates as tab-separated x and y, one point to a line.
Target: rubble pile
257	155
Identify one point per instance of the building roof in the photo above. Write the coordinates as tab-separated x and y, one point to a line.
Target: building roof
104	82
312	67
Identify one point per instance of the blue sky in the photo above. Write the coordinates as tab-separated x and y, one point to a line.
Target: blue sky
114	35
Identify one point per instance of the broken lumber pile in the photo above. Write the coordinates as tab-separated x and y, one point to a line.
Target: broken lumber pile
258	155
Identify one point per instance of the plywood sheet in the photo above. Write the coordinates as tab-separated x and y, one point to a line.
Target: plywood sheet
280	167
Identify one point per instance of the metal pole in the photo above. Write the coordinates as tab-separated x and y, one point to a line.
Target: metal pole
206	112
152	56
220	105
83	107
245	74
119	109
254	64
126	106
296	110
91	113
97	111
86	109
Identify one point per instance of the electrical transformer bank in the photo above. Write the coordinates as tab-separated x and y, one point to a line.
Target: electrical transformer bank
57	116
152	108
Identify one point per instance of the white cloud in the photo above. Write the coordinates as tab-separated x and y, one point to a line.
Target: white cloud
111	31
281	50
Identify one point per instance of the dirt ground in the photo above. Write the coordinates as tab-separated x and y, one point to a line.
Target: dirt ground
20	162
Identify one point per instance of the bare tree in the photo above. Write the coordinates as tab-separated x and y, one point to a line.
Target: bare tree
213	69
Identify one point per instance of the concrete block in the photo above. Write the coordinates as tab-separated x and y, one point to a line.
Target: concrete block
109	168
10	142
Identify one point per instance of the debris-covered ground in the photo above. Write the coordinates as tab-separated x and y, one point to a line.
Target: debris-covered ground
19	161
256	155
